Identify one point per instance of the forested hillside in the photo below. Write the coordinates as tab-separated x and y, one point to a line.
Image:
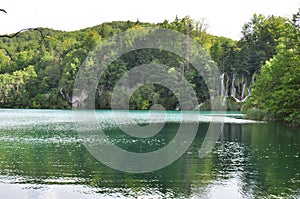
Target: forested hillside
38	67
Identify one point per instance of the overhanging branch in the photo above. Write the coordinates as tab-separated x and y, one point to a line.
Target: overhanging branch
15	34
2	10
23	30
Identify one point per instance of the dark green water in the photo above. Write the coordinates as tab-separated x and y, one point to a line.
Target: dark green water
42	156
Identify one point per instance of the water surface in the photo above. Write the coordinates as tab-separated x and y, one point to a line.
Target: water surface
42	156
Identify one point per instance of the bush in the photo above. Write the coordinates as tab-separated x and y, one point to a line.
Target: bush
258	114
293	119
231	105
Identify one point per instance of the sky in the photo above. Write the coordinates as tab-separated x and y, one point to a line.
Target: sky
224	17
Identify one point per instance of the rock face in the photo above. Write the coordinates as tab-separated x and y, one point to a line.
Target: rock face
75	101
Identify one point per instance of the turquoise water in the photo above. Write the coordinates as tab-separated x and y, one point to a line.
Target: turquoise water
42	156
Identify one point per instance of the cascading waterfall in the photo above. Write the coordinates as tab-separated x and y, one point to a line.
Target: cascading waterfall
224	90
233	89
222	85
242	89
252	80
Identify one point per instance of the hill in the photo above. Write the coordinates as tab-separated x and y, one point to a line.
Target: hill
38	66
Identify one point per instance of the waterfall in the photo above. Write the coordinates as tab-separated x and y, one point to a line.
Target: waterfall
242	86
233	89
252	80
243	90
226	86
222	85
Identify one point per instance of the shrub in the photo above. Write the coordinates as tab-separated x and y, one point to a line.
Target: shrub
257	114
231	105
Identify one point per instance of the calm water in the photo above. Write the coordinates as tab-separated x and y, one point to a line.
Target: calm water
42	156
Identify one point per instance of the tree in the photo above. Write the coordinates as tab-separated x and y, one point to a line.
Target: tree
260	37
13	87
222	52
277	88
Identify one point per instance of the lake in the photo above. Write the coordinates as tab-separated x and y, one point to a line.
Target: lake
42	156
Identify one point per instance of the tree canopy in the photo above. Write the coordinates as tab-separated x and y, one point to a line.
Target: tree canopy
277	88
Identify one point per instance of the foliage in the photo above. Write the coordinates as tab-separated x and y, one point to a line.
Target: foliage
277	88
55	56
260	37
13	86
231	104
256	114
222	52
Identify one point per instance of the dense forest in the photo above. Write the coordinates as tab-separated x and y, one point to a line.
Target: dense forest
260	72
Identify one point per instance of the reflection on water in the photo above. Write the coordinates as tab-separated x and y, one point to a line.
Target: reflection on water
41	156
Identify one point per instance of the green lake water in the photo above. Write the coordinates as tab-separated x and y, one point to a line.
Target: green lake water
42	156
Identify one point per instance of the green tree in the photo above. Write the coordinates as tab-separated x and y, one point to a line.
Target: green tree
277	89
12	87
223	53
260	37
